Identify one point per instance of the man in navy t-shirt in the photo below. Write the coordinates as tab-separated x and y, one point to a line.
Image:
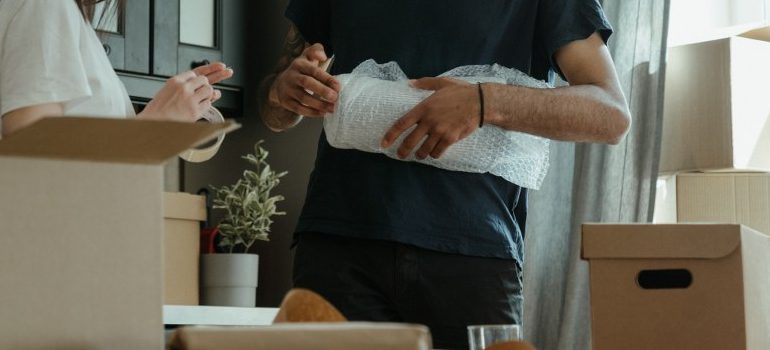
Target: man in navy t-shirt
389	240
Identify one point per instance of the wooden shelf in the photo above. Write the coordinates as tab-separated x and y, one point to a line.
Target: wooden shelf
217	315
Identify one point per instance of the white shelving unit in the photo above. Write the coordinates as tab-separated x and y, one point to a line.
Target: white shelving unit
217	315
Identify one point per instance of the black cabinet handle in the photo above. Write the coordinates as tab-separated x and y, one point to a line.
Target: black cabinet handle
107	49
196	64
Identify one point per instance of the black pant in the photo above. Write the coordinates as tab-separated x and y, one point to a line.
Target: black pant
369	280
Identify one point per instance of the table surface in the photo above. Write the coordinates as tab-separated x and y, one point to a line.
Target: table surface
217	315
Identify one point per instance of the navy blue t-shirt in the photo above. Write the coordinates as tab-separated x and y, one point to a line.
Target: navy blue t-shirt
365	195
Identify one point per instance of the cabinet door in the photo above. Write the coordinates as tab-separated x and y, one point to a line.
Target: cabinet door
125	34
189	33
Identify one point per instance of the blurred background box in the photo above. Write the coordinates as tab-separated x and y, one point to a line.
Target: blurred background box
716	107
739	198
183	214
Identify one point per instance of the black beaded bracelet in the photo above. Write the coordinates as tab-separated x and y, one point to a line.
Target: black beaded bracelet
481	105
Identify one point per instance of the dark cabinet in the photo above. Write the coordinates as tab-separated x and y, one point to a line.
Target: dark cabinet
151	40
190	33
125	35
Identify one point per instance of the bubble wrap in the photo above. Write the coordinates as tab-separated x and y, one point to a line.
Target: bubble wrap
375	95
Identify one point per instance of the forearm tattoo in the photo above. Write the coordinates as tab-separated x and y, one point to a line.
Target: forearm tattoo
276	117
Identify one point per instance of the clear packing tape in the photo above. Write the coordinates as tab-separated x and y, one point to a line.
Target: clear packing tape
375	95
202	154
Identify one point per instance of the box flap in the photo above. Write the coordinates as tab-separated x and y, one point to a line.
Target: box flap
677	241
762	33
184	206
753	30
109	140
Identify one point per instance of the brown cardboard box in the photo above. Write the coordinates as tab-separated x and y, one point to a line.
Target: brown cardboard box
300	336
738	198
682	287
716	110
82	225
182	214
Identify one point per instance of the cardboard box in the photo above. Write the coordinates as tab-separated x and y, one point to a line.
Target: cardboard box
301	336
82	227
182	214
716	109
738	198
682	287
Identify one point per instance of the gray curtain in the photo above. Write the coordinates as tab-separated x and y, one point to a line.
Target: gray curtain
596	183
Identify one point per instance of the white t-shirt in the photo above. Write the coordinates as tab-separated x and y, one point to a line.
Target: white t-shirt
48	54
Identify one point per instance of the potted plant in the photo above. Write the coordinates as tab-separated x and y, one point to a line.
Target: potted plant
229	277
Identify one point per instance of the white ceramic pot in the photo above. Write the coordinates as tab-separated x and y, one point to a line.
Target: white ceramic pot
229	279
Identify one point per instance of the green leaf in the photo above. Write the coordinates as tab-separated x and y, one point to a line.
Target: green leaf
247	205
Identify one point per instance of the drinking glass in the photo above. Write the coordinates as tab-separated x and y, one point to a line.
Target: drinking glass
481	337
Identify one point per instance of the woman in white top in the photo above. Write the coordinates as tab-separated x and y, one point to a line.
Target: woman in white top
53	64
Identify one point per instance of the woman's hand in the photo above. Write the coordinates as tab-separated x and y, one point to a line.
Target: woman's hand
188	95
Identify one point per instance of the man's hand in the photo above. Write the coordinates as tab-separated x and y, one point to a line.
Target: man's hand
449	115
591	109
305	88
299	85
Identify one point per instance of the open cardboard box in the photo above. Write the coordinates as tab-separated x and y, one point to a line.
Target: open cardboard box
683	287
81	209
716	108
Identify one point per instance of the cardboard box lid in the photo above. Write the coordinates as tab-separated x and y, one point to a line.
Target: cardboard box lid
760	33
184	206
131	141
755	30
295	336
650	241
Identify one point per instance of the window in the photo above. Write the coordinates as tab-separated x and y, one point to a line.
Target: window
107	18
701	20
197	22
